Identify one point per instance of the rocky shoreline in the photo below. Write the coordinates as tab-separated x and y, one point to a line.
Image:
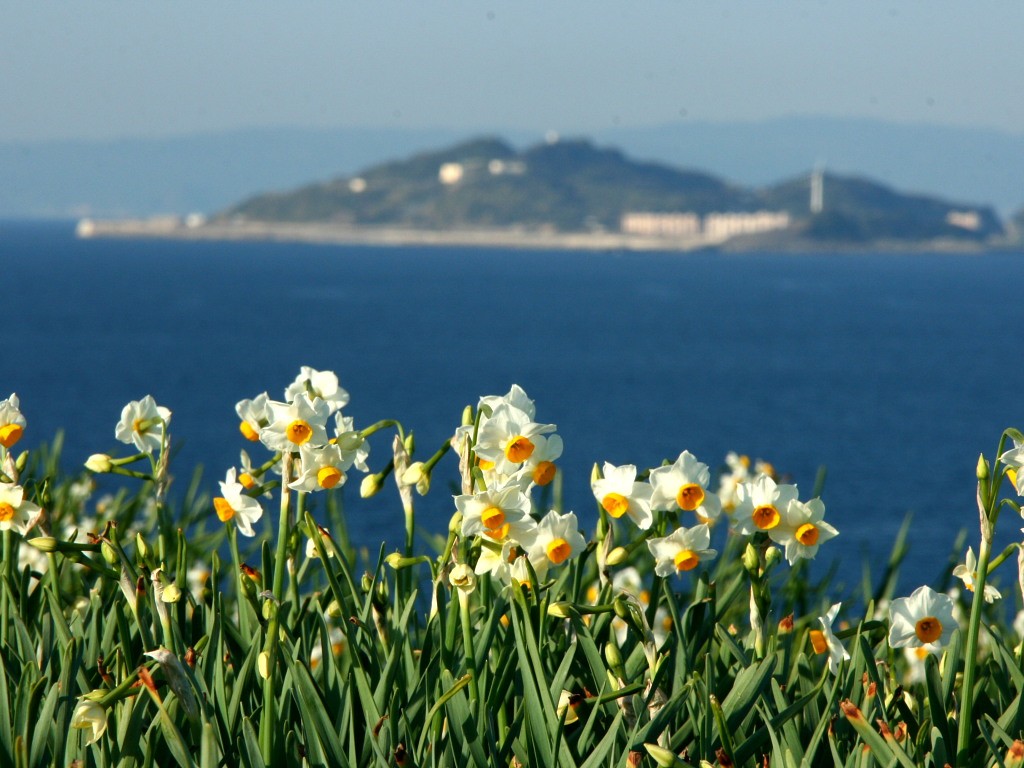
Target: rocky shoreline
340	234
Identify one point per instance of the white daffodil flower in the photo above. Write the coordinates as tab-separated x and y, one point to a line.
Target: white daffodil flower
824	640
684	485
682	550
516	397
555	540
803	529
143	423
17	514
968	574
497	513
760	506
1014	460
541	465
925	619
729	482
508	438
325	540
314	383
233	504
321	468
12	423
91	715
619	494
254	415
300	422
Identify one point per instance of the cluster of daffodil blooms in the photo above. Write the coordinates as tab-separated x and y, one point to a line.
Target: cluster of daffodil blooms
652	538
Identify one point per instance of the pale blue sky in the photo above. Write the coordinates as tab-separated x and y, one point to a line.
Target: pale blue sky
113	69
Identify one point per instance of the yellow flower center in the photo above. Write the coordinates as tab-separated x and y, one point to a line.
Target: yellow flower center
807	534
247	429
928	629
492	518
328	477
484	464
224	510
6	512
766	517
686	560
247	480
690	497
922	653
544	473
615	504
10	434
818	641
558	550
299	431
519	449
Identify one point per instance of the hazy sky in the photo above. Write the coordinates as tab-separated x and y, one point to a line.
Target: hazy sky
110	69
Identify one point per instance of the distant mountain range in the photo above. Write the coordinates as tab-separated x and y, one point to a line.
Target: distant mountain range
208	172
572	185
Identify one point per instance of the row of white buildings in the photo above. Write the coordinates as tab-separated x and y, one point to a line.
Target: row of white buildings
713	227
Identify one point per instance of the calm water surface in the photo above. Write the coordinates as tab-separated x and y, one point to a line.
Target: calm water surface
894	371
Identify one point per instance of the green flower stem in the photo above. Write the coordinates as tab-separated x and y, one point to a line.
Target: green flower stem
988	494
243	614
269	716
467	641
376	427
1001	557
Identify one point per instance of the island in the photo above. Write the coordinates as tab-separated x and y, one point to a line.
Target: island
569	193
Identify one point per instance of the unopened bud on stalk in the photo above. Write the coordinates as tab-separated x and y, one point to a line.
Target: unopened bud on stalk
263	663
665	758
21	462
751	561
44	544
562	609
109	553
409	443
614	659
617	556
141	547
371	485
334	609
99	463
467	416
772	557
397	561
982	470
417	475
455	524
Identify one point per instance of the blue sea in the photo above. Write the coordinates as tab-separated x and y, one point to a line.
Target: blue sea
893	371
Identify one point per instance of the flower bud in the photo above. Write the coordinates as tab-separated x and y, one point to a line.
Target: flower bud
772	557
562	609
141	547
455	524
371	486
409	443
751	562
334	609
21	462
99	463
109	553
44	543
617	556
982	469
263	664
665	758
467	416
614	659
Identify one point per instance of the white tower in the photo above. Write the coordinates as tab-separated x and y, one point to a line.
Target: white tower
817	189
